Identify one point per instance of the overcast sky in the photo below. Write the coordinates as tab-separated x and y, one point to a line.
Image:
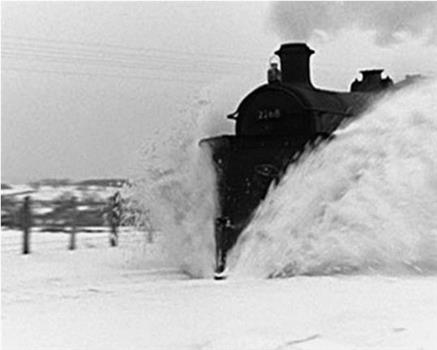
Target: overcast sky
85	84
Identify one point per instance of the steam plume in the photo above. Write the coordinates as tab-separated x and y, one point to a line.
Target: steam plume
390	21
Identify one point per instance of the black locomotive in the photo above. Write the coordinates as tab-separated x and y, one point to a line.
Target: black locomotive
274	123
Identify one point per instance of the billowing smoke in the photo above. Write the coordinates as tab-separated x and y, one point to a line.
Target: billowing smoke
391	22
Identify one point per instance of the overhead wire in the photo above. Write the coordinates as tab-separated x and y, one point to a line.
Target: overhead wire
105	75
142	56
130	49
112	55
155	64
105	55
91	56
117	63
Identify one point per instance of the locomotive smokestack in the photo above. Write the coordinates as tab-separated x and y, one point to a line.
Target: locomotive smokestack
295	63
372	81
372	75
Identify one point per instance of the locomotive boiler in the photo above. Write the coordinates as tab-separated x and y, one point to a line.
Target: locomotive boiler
273	125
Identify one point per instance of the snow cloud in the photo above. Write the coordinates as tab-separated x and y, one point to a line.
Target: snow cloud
391	22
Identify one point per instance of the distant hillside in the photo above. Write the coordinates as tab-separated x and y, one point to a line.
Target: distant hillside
89	182
51	182
102	182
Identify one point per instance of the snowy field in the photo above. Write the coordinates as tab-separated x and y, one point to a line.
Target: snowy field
120	298
363	205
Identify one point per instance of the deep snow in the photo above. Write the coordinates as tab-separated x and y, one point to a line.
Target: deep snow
104	298
364	201
364	206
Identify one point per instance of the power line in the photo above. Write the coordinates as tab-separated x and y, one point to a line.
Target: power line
180	67
117	59
137	58
116	63
73	73
124	47
119	55
75	52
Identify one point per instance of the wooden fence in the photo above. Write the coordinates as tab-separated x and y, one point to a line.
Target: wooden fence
68	215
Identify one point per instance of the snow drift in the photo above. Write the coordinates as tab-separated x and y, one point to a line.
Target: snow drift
366	201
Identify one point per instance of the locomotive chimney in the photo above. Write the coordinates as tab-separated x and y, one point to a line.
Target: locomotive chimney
372	81
295	63
372	76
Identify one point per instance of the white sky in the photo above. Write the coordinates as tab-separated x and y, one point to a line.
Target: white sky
82	88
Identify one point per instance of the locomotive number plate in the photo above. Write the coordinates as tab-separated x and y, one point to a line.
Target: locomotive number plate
269	114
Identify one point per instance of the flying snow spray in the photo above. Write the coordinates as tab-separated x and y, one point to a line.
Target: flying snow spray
364	202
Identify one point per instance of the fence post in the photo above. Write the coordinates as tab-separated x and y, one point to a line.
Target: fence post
114	218
150	236
26	223
73	218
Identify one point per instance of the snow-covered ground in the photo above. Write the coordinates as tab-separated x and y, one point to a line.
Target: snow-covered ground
120	298
362	205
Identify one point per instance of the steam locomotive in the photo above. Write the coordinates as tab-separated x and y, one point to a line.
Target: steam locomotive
273	125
